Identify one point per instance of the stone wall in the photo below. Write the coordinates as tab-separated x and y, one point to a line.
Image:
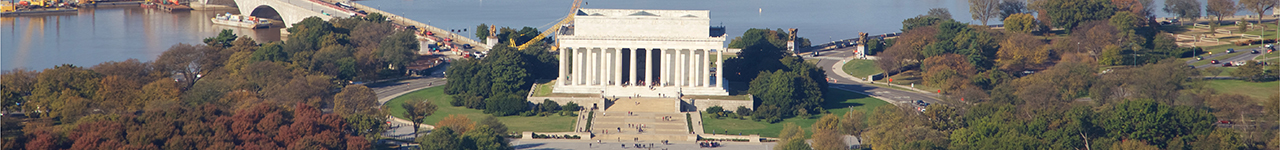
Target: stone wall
585	102
728	105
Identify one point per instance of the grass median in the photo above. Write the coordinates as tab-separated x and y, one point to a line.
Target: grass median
552	123
861	68
837	102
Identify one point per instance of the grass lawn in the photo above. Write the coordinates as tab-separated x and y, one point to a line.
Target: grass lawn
553	123
837	102
909	77
1258	90
861	67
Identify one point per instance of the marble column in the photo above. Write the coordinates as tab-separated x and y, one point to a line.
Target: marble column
665	70
591	67
632	70
705	75
577	66
648	66
681	73
617	66
564	56
720	69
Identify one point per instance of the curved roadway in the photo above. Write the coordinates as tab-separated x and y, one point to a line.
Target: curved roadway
829	60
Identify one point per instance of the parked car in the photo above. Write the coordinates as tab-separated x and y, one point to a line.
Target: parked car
466	46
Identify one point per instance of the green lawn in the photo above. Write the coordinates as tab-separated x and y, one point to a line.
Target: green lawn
861	68
543	87
553	123
1258	90
837	102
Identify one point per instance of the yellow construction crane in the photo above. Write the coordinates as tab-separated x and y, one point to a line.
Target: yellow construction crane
554	28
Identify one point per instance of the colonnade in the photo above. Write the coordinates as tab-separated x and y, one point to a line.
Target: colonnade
580	66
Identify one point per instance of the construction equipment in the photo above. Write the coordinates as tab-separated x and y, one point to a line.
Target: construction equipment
554	28
6	6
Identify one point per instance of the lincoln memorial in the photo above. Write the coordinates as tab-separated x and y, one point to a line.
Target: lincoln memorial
643	53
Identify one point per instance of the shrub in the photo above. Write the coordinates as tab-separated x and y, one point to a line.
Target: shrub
743	111
571	106
505	104
549	106
715	109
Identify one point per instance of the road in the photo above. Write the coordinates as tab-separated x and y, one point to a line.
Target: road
1246	56
386	90
828	59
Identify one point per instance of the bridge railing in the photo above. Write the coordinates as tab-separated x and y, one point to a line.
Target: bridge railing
460	39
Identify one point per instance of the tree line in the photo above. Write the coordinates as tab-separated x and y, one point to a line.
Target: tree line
499	82
783	84
228	92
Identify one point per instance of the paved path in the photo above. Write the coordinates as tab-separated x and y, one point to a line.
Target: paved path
835	71
400	128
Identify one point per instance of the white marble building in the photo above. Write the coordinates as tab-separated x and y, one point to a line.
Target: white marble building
649	53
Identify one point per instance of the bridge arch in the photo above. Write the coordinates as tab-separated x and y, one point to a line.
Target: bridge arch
286	12
266	11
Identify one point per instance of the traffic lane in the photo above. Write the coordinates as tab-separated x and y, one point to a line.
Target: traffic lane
889	93
405	85
1238	58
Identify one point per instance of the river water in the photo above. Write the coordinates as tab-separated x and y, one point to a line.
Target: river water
106	34
116	34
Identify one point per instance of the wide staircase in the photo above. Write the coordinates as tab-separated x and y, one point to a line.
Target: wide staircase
643	120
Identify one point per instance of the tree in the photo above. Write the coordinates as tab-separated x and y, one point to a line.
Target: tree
793	144
398	50
183	60
1069	13
375	17
223	39
984	10
15	87
1184	9
368	126
743	111
790	131
1020	23
440	139
482	32
549	106
460	123
1258	6
793	136
56	85
1021	51
940	13
828	139
828	122
1219	9
853	122
571	106
505	104
493	123
355	99
1010	7
416	111
714	109
484	138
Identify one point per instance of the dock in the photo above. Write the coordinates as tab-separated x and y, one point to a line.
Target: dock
43	11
